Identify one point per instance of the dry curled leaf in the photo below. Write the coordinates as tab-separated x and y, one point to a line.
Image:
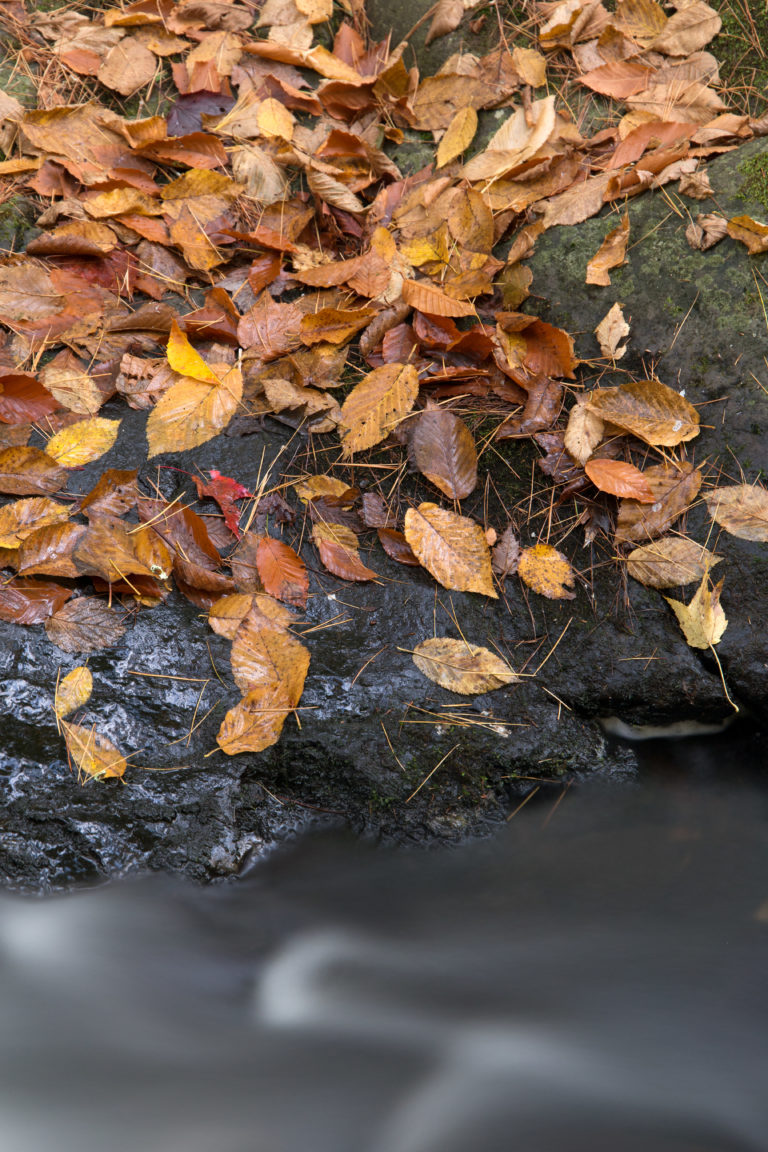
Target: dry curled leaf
546	571
752	233
742	509
610	254
669	562
506	554
462	667
610	332
73	691
703	621
584	432
442	448
452	548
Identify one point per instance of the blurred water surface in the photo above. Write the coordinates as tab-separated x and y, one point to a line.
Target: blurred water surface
594	979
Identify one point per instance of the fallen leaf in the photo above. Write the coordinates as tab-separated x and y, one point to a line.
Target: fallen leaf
742	509
228	613
611	331
688	30
31	601
610	254
73	691
442	448
584	432
192	412
337	548
183	358
397	547
21	517
80	443
376	405
127	67
675	489
265	654
619	479
255	722
48	551
425	297
547	572
505	557
282	572
649	410
452	548
28	471
73	387
22	398
458	136
669	562
92	754
447	17
107	550
752	233
703	621
462	667
86	624
313	486
706	231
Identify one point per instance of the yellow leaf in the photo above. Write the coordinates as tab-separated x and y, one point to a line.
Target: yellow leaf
255	723
703	621
274	119
264	653
183	358
80	443
73	691
92	754
452	547
192	412
376	406
546	571
458	136
530	66
22	517
462	667
312	486
752	233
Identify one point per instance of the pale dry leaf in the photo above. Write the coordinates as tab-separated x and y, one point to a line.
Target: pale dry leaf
670	562
742	509
506	554
462	667
610	254
584	432
610	332
706	231
703	621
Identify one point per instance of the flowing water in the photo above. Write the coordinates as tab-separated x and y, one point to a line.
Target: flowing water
592	980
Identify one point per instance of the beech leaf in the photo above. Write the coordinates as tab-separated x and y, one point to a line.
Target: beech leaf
80	443
452	548
462	667
649	410
619	479
547	572
442	449
92	754
192	412
742	509
85	625
73	691
669	562
376	405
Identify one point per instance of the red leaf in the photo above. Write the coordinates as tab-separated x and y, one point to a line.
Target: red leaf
31	601
225	491
23	399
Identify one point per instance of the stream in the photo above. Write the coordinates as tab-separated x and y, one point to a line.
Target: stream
592	979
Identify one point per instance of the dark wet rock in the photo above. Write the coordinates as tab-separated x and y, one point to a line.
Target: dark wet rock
373	730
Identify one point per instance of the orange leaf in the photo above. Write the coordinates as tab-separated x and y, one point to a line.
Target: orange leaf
619	479
282	572
337	547
425	297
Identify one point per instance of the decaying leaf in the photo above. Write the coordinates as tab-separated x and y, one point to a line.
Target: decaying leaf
256	721
265	653
649	410
73	691
742	509
752	233
612	329
86	624
675	489
377	405
92	754
19	519
505	556
80	443
452	548
669	562
462	667
610	254
584	432
337	548
31	601
442	449
703	621
547	572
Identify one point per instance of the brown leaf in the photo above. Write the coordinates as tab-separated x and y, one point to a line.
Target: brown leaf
669	562
337	547
675	489
462	667
192	412
107	551
619	479
228	613
333	325
74	388
25	601
505	557
397	547
611	331
48	551
85	625
546	571
265	654
115	492
28	471
742	509
751	233
541	410
425	297
610	254
451	547
256	721
618	78
23	398
707	230
282	572
127	67
376	405
688	30
443	450
649	410
270	329
447	17
333	192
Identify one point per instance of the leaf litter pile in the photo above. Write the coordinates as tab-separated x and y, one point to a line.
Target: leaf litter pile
256	254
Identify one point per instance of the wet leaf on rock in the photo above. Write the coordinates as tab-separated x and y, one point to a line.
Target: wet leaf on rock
80	443
742	509
256	721
442	449
376	405
669	562
28	601
547	572
452	548
462	667
675	489
618	478
649	410
92	754
337	547
73	691
87	624
703	621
